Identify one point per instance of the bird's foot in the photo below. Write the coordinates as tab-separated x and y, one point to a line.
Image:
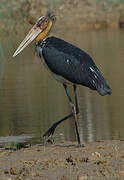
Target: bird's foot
48	140
48	135
50	131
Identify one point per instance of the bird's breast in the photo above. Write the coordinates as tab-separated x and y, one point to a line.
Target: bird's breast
56	76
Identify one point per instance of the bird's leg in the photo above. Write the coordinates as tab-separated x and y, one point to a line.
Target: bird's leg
74	110
77	107
51	130
76	99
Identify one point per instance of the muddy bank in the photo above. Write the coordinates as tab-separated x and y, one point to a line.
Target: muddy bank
88	14
76	14
82	15
64	161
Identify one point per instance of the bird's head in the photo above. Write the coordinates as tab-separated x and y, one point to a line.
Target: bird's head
38	32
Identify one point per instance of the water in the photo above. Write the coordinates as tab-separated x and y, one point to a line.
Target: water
31	100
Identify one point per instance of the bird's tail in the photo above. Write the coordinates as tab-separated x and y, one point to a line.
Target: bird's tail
98	82
104	89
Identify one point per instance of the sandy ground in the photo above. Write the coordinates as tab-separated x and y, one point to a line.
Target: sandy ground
64	161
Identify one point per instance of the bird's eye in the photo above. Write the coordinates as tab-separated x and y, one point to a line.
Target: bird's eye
40	21
46	21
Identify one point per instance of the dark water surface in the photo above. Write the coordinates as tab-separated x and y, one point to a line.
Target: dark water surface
31	100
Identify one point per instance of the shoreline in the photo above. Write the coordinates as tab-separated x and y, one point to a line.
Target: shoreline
64	161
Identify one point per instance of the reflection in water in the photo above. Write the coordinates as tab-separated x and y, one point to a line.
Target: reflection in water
31	100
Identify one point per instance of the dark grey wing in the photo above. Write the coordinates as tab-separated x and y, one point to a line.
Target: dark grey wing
72	63
65	65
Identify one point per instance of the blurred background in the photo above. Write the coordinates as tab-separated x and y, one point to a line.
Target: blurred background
31	100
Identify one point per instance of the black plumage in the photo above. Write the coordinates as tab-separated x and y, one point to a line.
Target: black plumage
71	63
67	63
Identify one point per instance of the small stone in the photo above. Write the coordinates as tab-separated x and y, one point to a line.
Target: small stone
14	171
96	154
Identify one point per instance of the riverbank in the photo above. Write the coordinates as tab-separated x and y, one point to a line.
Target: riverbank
64	161
76	14
84	15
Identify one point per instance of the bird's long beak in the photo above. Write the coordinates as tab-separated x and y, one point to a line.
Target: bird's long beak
33	33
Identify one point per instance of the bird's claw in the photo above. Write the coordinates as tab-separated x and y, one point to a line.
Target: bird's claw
48	135
49	132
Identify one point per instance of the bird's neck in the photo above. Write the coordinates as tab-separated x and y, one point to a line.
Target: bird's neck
45	33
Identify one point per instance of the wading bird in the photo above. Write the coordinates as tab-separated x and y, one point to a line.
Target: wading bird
67	63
